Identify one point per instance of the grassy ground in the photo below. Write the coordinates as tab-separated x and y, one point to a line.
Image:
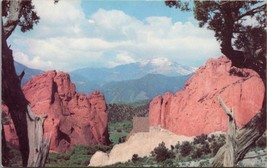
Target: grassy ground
78	156
119	130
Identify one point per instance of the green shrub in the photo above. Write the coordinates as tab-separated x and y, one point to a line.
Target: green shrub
118	130
211	138
90	150
122	139
200	139
196	153
205	148
64	156
172	147
168	163
80	149
177	146
135	158
205	163
79	160
162	153
185	148
77	156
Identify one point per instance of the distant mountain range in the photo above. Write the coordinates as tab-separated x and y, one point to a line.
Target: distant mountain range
145	88
29	72
133	71
127	83
89	79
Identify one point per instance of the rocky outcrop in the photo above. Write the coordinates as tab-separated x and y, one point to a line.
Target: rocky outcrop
141	143
73	118
196	110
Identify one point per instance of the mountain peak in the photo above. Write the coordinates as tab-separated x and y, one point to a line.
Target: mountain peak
162	65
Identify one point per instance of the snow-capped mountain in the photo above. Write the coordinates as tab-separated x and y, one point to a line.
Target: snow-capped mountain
88	79
134	70
166	67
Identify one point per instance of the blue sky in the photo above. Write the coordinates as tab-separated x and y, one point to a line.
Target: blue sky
137	8
84	33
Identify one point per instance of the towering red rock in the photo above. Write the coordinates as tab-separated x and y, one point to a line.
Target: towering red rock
196	110
73	118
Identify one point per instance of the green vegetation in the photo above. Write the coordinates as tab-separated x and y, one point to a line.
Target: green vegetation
135	158
121	112
185	148
201	149
119	130
162	153
180	154
120	119
77	156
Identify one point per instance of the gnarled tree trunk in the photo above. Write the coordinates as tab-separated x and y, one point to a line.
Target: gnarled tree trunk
230	145
245	138
39	146
13	97
29	128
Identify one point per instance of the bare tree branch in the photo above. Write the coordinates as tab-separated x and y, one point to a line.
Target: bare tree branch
252	11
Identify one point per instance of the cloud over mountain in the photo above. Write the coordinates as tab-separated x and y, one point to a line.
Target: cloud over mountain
67	39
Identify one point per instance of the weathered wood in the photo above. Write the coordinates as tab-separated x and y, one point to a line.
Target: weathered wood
230	145
15	100
39	146
29	127
43	154
245	137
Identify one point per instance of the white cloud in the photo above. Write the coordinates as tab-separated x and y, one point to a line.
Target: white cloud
121	58
65	39
161	61
250	21
64	12
36	62
114	25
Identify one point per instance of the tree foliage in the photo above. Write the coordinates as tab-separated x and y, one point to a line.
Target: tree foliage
162	153
239	26
200	139
18	13
185	148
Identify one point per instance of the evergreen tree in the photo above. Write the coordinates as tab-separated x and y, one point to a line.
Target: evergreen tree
240	28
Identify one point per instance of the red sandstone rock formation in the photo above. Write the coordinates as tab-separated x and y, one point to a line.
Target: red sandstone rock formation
73	118
8	126
196	110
